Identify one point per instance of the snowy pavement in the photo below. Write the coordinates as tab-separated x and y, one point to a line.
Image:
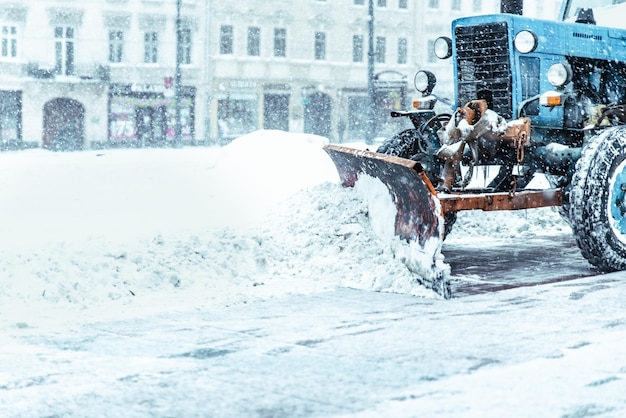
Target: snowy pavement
552	351
482	265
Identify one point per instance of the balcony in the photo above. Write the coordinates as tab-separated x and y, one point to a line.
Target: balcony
84	73
152	74
33	70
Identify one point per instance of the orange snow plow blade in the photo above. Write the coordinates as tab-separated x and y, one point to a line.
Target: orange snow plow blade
418	212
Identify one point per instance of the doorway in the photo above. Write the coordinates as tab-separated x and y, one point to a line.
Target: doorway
150	125
63	125
317	111
276	112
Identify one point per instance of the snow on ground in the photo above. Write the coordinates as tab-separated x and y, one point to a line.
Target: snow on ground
126	279
116	232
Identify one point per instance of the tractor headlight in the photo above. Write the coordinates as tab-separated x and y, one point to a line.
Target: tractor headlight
525	41
560	74
443	47
425	82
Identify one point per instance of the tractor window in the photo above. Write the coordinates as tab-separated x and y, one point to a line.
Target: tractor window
613	88
574	6
601	82
595	81
529	74
587	77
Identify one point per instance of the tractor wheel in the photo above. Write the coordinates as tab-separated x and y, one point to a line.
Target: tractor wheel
405	145
598	200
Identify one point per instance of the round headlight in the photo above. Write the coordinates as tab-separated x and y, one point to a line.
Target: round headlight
525	41
425	82
443	47
560	74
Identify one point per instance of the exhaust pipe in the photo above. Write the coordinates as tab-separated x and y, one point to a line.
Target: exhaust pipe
515	7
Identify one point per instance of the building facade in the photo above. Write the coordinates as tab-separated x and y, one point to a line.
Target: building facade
77	74
302	66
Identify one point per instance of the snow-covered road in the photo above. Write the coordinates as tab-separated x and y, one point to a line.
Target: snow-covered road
551	351
484	265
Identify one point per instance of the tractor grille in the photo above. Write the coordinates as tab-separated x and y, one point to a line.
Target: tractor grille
484	69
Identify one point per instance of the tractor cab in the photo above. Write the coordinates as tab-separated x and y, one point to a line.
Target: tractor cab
607	13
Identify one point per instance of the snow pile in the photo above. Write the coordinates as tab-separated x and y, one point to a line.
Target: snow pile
168	229
325	231
507	224
323	235
256	171
165	229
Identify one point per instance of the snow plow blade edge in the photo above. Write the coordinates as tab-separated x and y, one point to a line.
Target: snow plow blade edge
418	211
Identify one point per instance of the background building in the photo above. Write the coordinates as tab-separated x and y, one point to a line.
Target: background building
302	66
98	73
93	74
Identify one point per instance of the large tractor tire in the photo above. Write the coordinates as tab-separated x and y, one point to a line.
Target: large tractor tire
403	144
597	210
410	142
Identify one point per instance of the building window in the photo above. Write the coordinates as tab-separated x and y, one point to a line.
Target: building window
254	41
402	51
151	47
226	39
359	2
280	42
456	5
433	4
357	48
381	49
116	46
431	52
236	117
9	42
477	6
382	3
10	116
64	50
185	46
403	4
320	46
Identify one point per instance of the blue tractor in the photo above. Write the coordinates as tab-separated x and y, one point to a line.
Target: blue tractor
531	97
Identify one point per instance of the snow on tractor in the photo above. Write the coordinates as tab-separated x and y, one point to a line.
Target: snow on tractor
533	96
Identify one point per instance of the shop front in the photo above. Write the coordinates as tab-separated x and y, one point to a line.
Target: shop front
10	117
237	109
144	115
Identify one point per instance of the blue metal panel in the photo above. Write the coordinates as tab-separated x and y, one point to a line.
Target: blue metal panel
557	42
